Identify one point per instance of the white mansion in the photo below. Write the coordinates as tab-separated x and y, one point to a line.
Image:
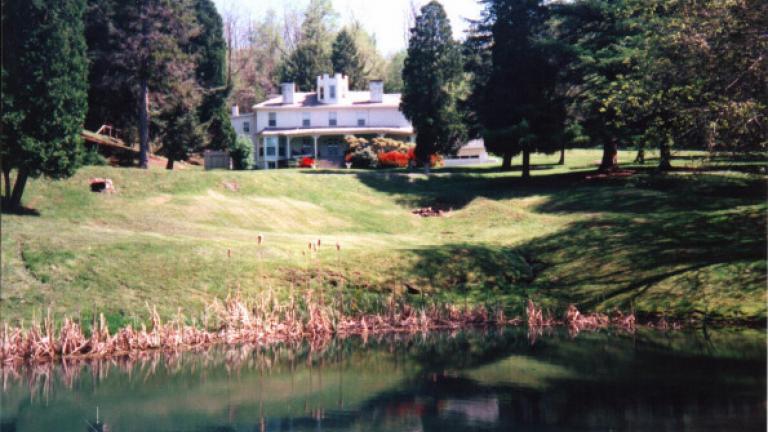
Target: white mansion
314	124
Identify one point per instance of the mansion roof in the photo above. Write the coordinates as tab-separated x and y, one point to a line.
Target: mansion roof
337	130
356	99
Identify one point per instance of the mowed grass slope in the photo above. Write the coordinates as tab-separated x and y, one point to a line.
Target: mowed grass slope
676	244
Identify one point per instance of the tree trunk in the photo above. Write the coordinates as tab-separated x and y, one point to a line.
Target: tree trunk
144	124
526	163
562	155
640	158
506	162
665	157
7	182
610	156
18	189
169	164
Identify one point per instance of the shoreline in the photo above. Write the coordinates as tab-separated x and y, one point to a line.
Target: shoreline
264	324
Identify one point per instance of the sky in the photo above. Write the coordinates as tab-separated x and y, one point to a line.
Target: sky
385	19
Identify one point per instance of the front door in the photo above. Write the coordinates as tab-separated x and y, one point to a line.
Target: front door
332	151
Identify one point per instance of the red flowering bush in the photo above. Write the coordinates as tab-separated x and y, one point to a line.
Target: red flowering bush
435	160
393	158
306	162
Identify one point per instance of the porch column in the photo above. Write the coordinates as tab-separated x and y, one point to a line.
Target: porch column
287	147
264	152
314	139
255	155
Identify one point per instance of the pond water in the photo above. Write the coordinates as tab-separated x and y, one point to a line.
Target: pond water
485	380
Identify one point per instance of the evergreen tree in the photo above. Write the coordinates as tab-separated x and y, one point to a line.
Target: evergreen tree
604	52
372	62
346	60
110	100
210	50
515	101
44	98
241	153
182	133
431	77
178	123
153	55
311	56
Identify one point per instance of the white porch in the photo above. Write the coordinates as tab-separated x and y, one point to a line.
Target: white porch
274	146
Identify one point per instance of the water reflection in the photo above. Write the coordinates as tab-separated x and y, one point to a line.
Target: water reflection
472	380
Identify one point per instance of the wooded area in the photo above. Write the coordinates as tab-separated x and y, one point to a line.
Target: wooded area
530	76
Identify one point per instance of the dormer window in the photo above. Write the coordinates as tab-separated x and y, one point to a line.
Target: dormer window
333	91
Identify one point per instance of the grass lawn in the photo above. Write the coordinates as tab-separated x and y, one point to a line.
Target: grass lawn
680	243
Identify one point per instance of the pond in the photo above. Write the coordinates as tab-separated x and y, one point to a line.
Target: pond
489	380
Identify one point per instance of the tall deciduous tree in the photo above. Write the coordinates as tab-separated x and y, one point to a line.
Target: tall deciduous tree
255	65
44	98
431	77
345	58
515	101
393	72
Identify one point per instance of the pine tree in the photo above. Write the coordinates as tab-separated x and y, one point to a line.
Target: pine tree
431	75
182	132
604	57
311	57
345	58
110	101
44	98
210	50
515	101
153	55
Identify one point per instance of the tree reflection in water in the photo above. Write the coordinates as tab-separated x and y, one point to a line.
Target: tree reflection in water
483	379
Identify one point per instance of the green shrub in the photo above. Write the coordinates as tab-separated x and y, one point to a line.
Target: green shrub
91	156
363	158
241	153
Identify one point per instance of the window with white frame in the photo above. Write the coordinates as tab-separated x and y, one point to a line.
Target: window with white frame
332	118
270	148
333	91
272	119
360	118
305	119
246	127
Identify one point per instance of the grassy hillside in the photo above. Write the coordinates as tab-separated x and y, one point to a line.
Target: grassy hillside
682	243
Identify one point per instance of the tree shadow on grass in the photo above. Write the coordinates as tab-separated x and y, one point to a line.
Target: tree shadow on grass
644	192
19	211
621	258
459	189
708	253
